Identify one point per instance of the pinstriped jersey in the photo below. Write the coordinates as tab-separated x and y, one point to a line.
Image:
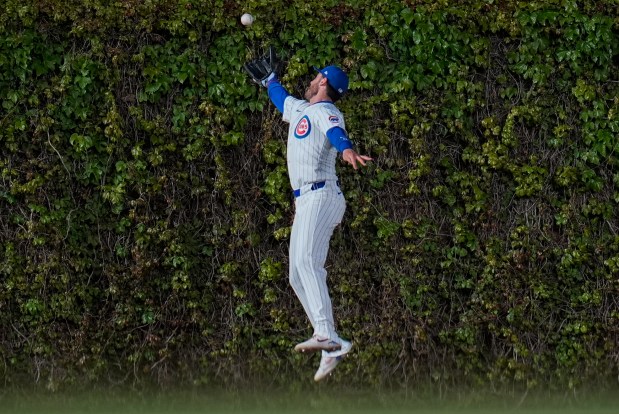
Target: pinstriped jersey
310	154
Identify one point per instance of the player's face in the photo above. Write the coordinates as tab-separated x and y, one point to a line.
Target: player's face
312	89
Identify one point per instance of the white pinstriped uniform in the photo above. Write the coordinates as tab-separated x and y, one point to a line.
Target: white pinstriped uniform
311	159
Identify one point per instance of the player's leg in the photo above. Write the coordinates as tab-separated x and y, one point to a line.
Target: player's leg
296	243
319	213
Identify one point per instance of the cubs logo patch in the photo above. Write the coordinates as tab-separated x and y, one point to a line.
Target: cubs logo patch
334	119
303	128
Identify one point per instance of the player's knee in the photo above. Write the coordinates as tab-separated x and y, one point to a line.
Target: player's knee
293	277
298	266
309	264
296	283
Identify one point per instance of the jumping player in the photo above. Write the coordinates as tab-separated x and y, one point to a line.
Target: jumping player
317	133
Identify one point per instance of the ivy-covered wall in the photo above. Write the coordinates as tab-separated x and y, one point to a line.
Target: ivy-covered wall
145	207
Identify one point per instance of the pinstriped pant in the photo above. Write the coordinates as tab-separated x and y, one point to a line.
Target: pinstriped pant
317	214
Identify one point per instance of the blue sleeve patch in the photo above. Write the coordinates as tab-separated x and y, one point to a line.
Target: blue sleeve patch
339	139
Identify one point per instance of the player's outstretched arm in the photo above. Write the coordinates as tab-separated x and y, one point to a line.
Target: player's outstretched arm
263	71
350	156
277	93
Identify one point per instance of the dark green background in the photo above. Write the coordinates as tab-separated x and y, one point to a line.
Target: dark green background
145	208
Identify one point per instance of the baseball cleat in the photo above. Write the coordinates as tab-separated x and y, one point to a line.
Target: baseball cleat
327	364
316	343
346	346
329	361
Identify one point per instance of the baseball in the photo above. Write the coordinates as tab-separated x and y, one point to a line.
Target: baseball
247	19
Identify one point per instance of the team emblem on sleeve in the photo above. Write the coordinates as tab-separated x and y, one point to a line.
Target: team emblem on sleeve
334	119
303	128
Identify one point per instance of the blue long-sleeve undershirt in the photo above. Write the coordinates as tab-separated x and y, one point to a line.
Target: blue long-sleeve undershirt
277	94
339	139
336	135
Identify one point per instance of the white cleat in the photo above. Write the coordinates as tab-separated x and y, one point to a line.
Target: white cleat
327	364
345	348
329	361
316	343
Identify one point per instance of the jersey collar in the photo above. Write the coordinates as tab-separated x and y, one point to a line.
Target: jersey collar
329	102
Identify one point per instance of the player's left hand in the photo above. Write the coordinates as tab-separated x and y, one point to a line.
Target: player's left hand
351	157
264	69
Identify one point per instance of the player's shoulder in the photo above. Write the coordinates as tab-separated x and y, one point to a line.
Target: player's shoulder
296	103
293	108
328	112
327	108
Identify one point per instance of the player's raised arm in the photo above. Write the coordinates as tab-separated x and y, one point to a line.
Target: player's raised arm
277	93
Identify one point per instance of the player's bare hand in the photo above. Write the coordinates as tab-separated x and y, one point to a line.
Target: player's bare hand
351	157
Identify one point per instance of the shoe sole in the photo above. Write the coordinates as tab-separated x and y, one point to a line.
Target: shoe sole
316	348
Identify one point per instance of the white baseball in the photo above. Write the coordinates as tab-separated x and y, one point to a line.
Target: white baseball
247	19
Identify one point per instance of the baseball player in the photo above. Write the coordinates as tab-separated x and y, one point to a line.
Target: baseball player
316	134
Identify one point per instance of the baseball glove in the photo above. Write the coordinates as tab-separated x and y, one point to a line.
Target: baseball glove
263	69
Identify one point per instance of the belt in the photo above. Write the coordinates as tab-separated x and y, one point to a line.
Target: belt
315	186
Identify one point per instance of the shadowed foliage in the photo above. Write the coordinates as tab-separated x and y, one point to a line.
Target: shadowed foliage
145	207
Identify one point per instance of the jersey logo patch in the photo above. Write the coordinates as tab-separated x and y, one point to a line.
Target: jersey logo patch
303	128
334	119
